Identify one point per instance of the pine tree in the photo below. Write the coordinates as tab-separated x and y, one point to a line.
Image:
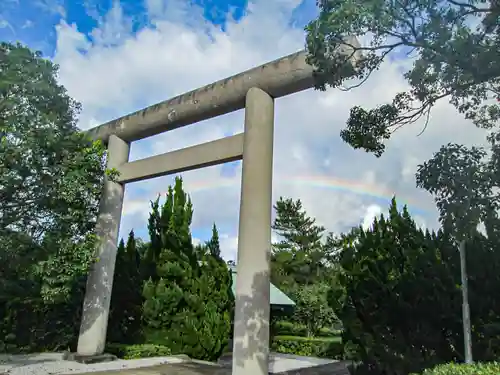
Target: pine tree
188	297
124	323
299	231
298	258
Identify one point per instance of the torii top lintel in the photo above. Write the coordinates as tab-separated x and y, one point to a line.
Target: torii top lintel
285	76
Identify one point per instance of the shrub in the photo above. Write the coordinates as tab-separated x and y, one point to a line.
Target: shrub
285	328
137	351
491	368
329	332
320	347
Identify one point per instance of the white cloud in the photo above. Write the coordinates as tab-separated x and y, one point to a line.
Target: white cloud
119	72
371	213
229	246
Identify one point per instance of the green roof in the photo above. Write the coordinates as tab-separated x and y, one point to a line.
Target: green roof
277	297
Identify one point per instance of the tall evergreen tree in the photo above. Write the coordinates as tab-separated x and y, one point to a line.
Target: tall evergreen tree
188	298
398	299
209	333
124	324
299	231
214	244
298	258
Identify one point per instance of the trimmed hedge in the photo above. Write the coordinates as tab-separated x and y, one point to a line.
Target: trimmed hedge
284	328
328	332
492	368
320	347
137	351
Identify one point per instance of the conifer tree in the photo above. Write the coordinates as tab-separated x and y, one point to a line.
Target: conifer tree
398	300
214	244
124	324
298	258
188	298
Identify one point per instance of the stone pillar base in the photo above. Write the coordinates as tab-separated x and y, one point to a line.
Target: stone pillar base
89	359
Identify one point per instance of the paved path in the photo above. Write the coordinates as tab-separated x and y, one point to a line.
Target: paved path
188	368
53	363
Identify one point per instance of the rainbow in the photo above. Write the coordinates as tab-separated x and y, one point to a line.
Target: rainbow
380	195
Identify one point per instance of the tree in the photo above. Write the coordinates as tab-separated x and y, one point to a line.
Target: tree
213	245
188	297
50	174
51	178
311	307
397	298
213	287
125	319
463	183
298	257
455	59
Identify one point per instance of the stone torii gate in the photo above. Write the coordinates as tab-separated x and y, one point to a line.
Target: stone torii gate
254	90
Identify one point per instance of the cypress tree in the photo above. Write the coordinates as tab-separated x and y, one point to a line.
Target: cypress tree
188	298
214	244
214	288
397	298
124	324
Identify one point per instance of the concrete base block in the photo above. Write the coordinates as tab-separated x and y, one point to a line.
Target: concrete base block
89	359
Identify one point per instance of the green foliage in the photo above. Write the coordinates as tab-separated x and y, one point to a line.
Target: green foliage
463	181
298	258
125	319
124	351
308	346
51	175
454	59
188	296
69	261
492	368
214	245
312	309
301	267
400	301
286	328
51	178
30	325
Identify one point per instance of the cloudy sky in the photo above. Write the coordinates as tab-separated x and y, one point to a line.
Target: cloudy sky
116	57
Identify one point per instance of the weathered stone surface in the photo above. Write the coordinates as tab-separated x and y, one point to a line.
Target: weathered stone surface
90	359
200	368
188	368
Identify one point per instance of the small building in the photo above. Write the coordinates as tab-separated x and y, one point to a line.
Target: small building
278	299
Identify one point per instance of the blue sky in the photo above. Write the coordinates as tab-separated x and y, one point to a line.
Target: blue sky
117	57
32	21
